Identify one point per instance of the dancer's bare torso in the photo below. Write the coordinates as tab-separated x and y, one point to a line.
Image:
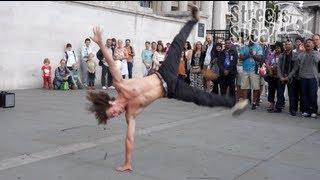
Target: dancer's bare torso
139	93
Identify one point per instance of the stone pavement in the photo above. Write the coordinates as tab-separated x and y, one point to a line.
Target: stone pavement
50	136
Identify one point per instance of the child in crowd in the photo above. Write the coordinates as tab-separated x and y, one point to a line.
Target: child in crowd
46	74
76	76
91	64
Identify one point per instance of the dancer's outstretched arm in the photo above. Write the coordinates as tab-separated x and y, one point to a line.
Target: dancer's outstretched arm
97	38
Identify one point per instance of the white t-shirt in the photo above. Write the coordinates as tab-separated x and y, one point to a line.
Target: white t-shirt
72	59
159	57
207	59
85	51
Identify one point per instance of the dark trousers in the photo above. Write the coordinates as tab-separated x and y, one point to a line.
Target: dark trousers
309	96
179	89
215	88
294	92
105	72
228	82
273	84
280	95
130	66
91	78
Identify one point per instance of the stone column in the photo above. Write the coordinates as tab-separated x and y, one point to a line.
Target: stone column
166	6
317	21
183	6
205	6
219	14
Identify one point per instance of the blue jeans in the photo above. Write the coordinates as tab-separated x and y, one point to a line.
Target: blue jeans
309	96
130	66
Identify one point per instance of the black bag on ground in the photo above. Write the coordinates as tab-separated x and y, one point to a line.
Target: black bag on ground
7	100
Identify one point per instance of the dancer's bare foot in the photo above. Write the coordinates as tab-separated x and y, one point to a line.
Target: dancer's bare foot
195	13
124	168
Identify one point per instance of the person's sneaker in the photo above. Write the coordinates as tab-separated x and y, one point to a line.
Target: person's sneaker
277	111
240	107
195	13
292	113
305	114
111	87
314	115
104	88
254	107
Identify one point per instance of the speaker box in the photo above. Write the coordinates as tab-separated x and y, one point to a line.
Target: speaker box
7	100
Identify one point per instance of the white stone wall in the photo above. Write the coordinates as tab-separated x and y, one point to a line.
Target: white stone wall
31	31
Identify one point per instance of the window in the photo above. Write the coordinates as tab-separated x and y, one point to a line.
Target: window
147	4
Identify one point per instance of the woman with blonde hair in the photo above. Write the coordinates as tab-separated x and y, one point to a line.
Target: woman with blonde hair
197	59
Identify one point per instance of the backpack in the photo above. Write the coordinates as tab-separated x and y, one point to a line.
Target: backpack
65	86
67	56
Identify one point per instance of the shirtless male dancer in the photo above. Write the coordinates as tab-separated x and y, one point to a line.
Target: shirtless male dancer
134	95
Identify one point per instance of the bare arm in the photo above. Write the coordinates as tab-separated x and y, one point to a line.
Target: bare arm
97	38
131	127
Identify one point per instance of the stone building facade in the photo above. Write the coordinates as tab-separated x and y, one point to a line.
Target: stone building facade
32	31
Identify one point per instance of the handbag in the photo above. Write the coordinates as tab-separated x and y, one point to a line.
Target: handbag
209	74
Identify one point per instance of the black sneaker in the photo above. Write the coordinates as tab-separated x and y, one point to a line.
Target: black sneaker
254	106
277	111
292	113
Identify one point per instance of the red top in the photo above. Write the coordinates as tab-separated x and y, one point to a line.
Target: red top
46	71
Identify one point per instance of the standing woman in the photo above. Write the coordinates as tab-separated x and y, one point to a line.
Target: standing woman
197	59
158	56
188	55
121	54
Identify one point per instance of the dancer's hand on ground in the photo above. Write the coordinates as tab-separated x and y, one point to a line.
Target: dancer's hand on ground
97	35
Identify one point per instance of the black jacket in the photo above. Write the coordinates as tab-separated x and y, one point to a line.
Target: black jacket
285	64
202	56
233	61
100	56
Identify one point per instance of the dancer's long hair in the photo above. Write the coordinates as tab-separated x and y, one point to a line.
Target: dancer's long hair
99	105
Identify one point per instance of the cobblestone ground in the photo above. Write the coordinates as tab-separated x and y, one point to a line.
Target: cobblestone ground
50	136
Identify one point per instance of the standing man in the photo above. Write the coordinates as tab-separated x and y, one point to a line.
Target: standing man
308	74
228	69
285	66
316	41
210	49
85	51
105	67
251	55
146	56
131	54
